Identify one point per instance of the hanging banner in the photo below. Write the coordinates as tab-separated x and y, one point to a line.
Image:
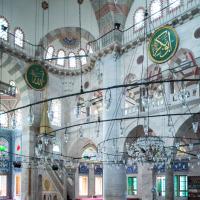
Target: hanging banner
36	77
163	44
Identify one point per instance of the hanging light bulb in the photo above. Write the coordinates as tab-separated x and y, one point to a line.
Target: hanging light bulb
195	126
50	114
30	117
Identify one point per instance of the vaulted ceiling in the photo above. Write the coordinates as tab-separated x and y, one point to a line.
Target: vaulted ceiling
109	12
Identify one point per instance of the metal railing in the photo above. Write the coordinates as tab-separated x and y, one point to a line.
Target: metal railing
131	34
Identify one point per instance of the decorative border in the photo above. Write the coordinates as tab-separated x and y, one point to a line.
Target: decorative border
25	77
177	44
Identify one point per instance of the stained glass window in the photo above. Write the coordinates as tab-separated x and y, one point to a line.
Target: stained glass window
72	60
98	185
132	186
155	9
61	60
160	186
83	185
89	153
18	185
174	4
3	185
4	147
3	28
181	186
19	37
83	58
139	19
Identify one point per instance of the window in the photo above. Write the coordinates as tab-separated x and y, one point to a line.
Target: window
3	119
56	110
72	60
160	186
4	147
3	28
83	185
139	19
18	185
132	185
89	153
174	4
181	186
155	9
19	37
98	185
56	148
83	59
89	49
61	60
3	185
49	53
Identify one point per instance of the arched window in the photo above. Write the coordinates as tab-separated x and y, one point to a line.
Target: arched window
174	4
89	153
61	60
50	52
155	9
72	60
89	49
3	119
19	37
83	57
56	109
139	19
3	28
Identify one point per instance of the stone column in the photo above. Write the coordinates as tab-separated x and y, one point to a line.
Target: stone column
114	177
169	184
65	185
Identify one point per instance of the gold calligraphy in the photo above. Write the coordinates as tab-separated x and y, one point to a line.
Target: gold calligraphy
162	44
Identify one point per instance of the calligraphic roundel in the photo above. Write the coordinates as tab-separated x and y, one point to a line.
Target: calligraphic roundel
163	44
36	77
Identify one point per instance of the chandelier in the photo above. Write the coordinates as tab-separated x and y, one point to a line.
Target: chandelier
149	149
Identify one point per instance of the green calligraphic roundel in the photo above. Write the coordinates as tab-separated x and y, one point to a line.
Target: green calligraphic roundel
36	77
163	44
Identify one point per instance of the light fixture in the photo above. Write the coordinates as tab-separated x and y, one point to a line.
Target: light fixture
149	149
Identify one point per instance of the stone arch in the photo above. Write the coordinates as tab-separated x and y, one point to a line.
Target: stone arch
78	145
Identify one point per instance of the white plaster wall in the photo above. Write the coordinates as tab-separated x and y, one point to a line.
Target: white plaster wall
29	16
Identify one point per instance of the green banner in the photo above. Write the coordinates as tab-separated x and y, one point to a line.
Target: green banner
36	77
163	44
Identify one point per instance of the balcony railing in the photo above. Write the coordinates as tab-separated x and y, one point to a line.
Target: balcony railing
186	10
